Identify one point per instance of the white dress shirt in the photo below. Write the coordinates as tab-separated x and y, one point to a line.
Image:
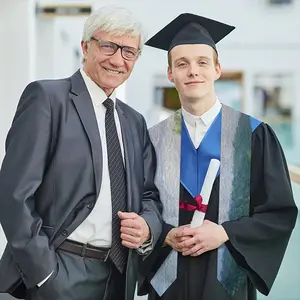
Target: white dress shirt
198	125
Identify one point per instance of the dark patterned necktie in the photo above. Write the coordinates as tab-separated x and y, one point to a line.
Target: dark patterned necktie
118	253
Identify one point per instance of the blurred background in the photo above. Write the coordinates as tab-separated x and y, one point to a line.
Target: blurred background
260	62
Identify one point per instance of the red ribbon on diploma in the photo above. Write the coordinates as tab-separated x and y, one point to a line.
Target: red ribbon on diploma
199	206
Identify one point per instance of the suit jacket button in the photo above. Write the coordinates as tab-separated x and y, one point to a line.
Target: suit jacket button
90	205
64	232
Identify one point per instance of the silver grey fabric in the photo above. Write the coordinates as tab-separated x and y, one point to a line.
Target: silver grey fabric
234	188
166	139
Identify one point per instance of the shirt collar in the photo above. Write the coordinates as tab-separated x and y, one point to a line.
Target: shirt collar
207	118
98	96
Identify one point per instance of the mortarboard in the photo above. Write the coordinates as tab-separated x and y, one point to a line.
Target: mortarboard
190	29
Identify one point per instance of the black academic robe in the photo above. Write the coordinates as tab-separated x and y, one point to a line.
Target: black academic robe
257	243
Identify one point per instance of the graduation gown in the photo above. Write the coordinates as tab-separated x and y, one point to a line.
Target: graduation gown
257	243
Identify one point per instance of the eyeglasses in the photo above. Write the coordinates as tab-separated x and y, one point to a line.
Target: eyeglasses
110	48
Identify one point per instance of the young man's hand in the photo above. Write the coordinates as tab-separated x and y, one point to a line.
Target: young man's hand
206	237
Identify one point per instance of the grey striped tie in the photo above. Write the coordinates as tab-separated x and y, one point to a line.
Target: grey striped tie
117	177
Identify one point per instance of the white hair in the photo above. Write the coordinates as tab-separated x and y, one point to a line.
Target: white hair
117	21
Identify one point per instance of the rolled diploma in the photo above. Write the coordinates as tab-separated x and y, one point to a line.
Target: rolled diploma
210	177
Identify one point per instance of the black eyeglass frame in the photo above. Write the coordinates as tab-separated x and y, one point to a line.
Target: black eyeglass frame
135	52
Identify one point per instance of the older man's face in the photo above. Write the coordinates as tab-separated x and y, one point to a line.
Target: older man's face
108	71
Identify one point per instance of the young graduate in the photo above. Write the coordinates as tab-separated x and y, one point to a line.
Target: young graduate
251	212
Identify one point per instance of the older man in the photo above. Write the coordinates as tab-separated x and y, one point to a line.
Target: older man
76	184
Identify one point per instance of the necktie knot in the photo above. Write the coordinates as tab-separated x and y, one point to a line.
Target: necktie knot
109	104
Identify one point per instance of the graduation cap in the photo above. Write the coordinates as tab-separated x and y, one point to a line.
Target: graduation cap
190	29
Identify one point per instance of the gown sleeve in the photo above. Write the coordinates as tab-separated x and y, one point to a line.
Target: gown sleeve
258	242
151	264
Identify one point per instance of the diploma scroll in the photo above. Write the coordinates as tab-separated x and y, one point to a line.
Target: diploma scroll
210	177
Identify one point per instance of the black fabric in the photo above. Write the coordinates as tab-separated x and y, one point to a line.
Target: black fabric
257	243
190	29
117	177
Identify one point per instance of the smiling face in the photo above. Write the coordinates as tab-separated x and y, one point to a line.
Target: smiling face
108	72
194	69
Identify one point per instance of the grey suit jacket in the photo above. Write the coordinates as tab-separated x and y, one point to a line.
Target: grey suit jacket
51	177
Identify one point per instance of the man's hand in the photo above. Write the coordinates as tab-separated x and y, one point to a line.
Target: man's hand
174	238
134	230
206	237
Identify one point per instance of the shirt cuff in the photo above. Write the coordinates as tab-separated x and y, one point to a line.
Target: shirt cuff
42	282
146	247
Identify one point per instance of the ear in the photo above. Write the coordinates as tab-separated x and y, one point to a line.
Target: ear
84	48
218	71
170	75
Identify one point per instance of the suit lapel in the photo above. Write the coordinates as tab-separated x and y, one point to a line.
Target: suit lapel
128	151
84	106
